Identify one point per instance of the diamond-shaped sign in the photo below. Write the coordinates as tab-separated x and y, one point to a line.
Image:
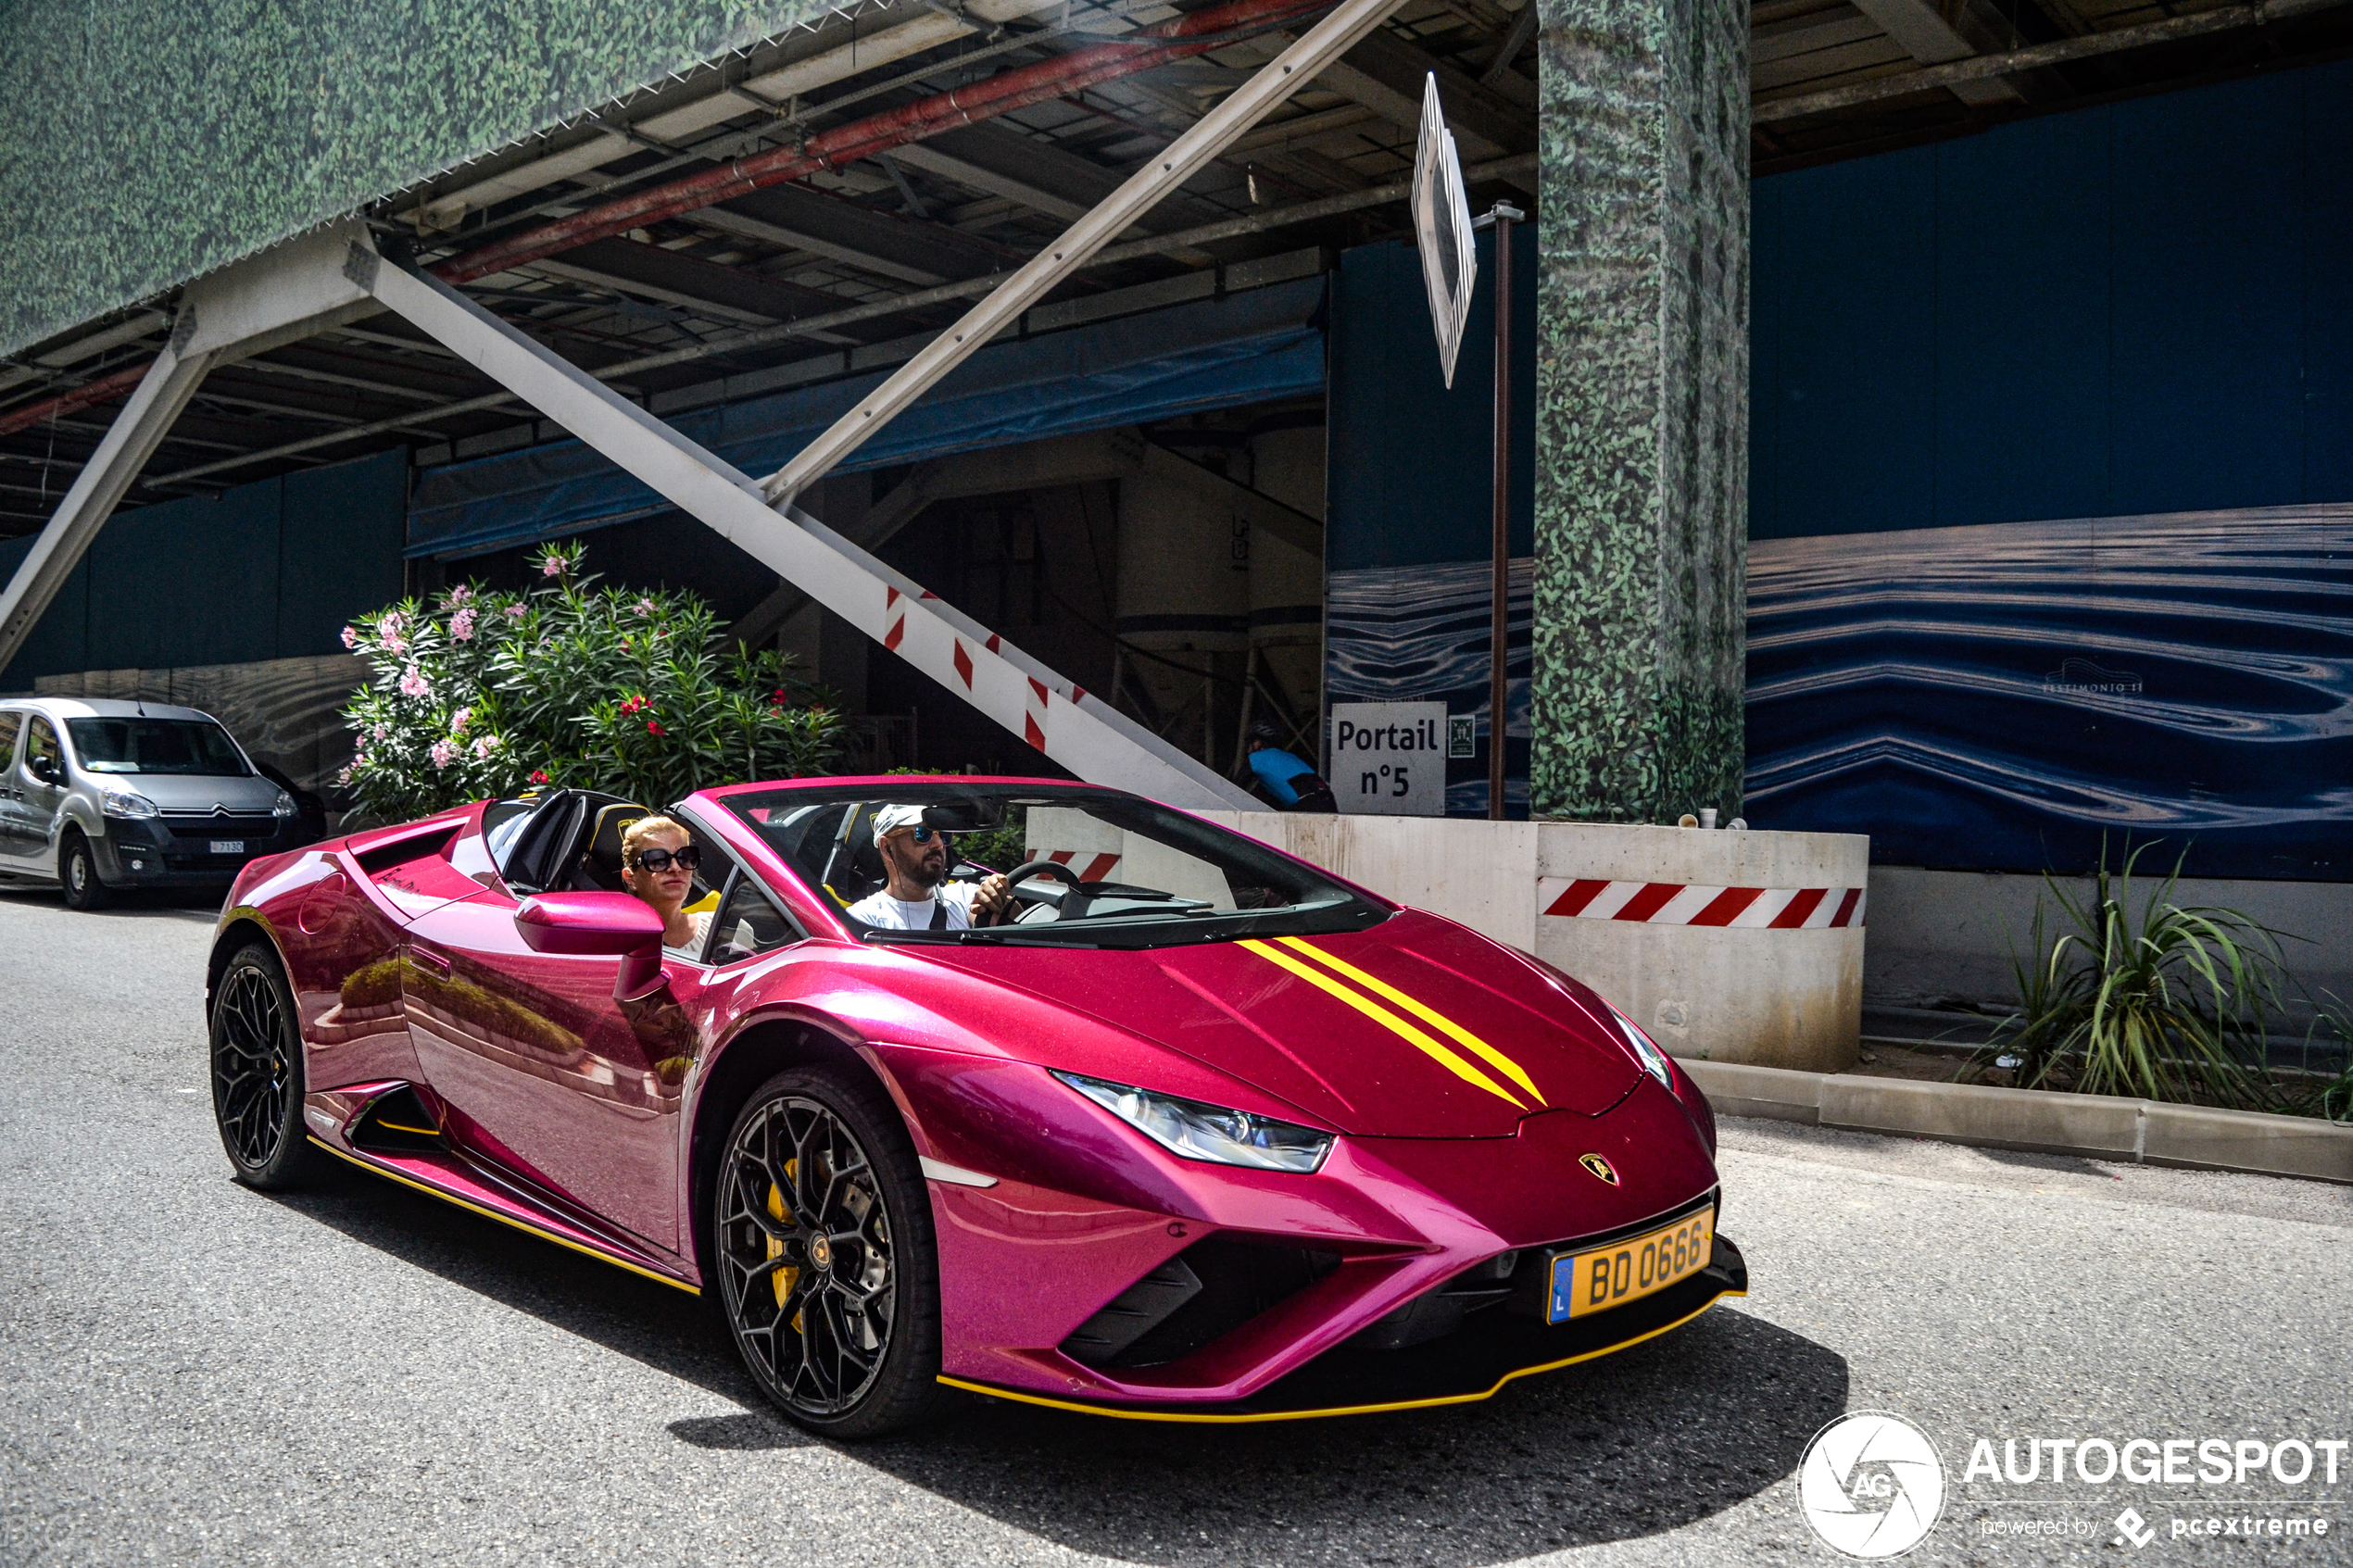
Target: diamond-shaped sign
1442	228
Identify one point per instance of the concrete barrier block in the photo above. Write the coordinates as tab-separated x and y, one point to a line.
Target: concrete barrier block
1736	1089
1725	857
2096	1125
1774	998
2240	1140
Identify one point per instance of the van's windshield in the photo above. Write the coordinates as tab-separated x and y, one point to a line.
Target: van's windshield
157	746
1091	868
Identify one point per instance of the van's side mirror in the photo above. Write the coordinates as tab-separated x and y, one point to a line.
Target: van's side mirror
43	767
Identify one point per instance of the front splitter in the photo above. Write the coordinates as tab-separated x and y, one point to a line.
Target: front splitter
1467	1366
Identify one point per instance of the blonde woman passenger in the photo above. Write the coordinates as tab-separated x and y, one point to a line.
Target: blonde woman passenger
658	861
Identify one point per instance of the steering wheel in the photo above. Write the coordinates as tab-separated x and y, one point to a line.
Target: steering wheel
1074	902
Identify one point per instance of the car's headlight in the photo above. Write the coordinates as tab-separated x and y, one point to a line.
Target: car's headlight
129	807
1208	1132
283	805
1646	1051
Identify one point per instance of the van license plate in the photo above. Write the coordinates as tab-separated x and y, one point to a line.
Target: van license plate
228	845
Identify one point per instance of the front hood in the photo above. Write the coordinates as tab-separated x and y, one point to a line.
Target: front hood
1417	1028
195	792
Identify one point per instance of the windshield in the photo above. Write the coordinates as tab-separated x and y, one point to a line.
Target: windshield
157	746
1092	868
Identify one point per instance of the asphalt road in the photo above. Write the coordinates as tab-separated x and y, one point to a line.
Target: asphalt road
193	1373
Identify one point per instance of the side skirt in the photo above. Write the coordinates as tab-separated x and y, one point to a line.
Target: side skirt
422	1181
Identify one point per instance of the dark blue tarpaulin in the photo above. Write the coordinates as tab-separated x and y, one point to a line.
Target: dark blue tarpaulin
1246	348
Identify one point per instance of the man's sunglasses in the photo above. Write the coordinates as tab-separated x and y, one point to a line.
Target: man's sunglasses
923	833
659	859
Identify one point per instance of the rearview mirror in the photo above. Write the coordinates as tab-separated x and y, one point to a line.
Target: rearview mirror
598	925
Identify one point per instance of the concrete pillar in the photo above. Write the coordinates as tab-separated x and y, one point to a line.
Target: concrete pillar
1642	408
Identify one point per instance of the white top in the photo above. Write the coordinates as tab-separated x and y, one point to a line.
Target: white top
691	949
896	914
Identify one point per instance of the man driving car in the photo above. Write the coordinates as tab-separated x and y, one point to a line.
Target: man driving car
915	859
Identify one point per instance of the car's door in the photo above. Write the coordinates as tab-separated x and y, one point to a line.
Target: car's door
12	839
38	780
545	1072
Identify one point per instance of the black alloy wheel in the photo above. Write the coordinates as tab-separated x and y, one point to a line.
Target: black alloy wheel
78	870
823	1249
257	1074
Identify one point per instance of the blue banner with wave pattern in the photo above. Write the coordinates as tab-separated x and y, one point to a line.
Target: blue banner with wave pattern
2003	697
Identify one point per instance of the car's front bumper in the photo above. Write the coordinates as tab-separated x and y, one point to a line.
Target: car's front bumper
1470	1364
144	855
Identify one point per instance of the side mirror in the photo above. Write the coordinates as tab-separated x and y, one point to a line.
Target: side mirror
598	925
43	768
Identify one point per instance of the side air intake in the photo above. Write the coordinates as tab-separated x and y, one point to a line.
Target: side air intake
1202	1294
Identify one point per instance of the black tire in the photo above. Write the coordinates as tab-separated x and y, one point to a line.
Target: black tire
78	870
257	1074
844	1335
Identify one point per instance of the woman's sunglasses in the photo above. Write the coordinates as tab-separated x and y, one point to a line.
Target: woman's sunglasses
659	859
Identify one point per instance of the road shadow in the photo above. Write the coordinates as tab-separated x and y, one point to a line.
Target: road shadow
662	1327
1645	1441
168	903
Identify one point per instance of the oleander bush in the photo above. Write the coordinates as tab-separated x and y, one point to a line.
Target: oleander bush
478	694
2160	1001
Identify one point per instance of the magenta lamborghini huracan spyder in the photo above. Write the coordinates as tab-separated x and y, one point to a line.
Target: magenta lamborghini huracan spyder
1198	1133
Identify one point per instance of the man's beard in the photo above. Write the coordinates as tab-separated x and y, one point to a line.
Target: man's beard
924	874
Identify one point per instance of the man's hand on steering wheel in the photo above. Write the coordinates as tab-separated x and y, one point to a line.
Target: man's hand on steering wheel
994	899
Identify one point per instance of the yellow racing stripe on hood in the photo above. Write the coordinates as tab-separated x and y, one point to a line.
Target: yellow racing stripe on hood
1388	1019
1431	1016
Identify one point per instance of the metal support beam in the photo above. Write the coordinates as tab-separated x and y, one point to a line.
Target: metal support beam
137	431
249	308
1064	721
1982	67
1179	161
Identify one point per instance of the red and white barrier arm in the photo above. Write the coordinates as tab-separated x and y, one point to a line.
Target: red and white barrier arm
1680	903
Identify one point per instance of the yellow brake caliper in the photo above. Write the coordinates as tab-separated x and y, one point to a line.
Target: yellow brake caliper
785	1276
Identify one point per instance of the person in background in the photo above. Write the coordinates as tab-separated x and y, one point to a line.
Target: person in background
1291	784
658	864
914	855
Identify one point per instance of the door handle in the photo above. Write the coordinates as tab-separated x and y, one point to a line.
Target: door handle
430	961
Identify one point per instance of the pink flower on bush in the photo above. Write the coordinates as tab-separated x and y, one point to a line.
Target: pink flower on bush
653	727
458	720
345	777
635	705
460	593
461	625
443	754
514	613
413	682
644	606
553	566
485	746
539	775
350	638
380	732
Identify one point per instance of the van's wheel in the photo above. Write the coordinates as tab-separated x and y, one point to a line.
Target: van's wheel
827	1269
257	1074
78	869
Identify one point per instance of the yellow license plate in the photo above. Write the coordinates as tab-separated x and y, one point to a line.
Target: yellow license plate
1630	1270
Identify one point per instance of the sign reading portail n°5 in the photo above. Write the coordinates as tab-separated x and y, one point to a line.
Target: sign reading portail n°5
1388	758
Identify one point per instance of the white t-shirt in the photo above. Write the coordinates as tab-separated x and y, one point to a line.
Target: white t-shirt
896	914
691	949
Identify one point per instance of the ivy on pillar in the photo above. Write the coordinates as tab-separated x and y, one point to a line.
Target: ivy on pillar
1642	408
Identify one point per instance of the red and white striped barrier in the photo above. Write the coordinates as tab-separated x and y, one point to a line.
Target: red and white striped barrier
1098	868
1679	903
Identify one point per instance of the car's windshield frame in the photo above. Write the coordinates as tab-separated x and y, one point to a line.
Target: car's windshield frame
1317	903
74	724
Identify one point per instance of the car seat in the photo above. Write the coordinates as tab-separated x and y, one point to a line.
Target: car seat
599	867
855	866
